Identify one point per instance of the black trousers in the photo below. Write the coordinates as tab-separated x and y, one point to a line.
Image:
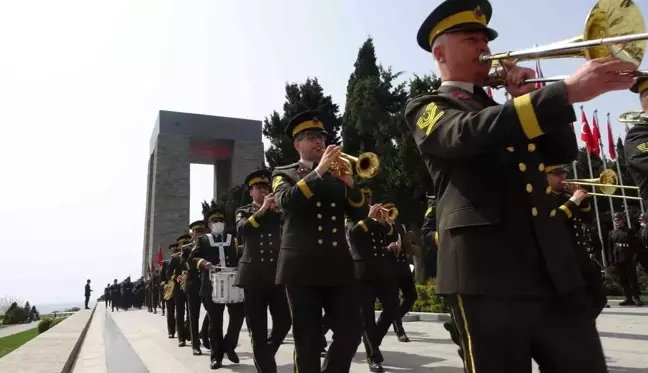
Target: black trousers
114	302
219	344
504	335
162	301
204	331
627	272
257	302
87	299
180	307
386	292
193	298
408	289
170	316
343	311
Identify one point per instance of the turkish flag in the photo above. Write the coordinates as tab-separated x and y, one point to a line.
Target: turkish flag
586	134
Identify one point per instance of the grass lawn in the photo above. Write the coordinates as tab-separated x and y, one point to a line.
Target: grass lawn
12	342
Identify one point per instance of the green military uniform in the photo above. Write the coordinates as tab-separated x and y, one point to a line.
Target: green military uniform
260	235
192	290
429	239
636	146
505	264
314	260
174	271
206	252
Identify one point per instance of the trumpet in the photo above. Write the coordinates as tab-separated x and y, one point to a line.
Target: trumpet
633	117
386	215
612	27
607	184
366	165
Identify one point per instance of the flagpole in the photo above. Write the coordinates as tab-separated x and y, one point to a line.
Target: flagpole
603	156
596	210
620	177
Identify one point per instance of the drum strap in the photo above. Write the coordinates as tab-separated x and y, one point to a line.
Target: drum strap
221	248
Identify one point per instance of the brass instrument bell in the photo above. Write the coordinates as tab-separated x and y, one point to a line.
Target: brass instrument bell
366	165
607	183
612	27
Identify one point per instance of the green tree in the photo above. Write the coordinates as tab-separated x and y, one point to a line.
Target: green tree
299	97
232	199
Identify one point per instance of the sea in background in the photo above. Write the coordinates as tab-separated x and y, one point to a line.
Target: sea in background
60	307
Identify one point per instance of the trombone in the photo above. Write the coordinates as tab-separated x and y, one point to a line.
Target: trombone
607	184
612	27
633	117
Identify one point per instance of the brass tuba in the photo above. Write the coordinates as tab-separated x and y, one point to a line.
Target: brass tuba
367	165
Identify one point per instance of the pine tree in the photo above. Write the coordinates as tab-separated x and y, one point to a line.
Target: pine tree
299	97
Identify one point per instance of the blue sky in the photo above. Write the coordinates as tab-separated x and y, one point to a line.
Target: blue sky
81	84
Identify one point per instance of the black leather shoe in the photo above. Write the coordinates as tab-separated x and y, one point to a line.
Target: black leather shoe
216	364
403	338
375	367
196	351
627	302
171	336
233	357
638	302
182	344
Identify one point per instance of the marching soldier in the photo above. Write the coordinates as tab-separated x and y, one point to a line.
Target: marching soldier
314	260
178	272
198	229
505	262
170	282
107	295
401	255
575	208
205	256
636	142
259	230
115	296
376	280
622	248
155	291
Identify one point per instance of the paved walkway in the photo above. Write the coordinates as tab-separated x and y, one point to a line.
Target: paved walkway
136	342
15	329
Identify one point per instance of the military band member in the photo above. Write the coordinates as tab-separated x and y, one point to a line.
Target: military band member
623	246
376	280
205	256
115	296
170	280
155	291
107	295
314	260
636	143
259	231
198	229
574	209
401	255
179	294
505	262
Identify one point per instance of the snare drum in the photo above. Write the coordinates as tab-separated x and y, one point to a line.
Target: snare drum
223	289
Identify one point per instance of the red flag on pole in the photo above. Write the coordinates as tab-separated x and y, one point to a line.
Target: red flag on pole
611	149
586	134
159	257
538	72
152	266
596	136
490	92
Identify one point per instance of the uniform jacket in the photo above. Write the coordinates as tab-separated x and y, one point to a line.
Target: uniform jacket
498	231
622	246
313	244
400	260
207	251
642	235
636	153
260	236
115	290
429	227
369	250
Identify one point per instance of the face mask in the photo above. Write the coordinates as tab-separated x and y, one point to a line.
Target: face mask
217	228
